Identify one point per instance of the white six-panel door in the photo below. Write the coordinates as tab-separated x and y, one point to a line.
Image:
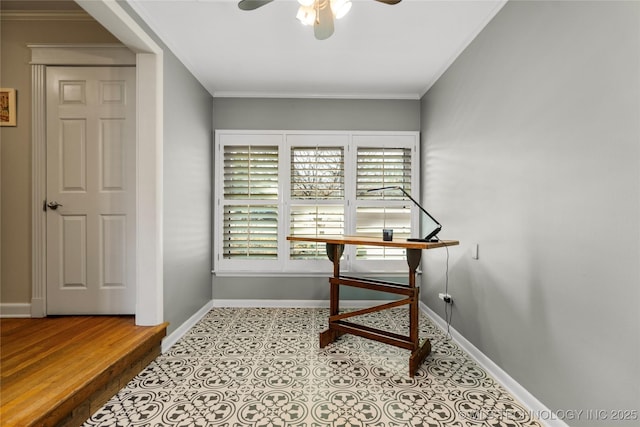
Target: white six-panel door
91	177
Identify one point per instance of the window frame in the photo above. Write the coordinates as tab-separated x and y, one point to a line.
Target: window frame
312	139
250	139
285	140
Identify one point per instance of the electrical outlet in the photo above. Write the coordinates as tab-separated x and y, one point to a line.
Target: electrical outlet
446	298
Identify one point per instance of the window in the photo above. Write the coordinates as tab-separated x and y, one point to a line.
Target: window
379	167
250	216
317	197
272	184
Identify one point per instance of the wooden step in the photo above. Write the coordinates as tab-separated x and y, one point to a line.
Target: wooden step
57	371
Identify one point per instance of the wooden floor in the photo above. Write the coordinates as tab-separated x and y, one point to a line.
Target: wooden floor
57	371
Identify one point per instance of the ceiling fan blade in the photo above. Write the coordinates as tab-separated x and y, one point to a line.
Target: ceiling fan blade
389	1
252	4
323	27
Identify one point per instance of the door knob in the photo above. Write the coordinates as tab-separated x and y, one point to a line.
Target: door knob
54	205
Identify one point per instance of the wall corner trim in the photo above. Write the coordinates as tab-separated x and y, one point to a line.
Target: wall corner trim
38	308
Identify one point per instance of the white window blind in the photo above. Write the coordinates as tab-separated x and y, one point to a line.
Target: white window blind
271	184
317	173
317	178
318	220
370	220
250	172
250	230
379	167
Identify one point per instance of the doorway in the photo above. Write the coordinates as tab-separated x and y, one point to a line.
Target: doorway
148	62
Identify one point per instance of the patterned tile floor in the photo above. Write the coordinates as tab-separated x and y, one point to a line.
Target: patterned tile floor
264	367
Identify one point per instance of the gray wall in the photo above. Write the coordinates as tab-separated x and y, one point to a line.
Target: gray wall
187	193
532	146
305	114
316	114
186	189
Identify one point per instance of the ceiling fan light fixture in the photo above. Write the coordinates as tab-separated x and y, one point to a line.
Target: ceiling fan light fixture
320	14
306	15
340	7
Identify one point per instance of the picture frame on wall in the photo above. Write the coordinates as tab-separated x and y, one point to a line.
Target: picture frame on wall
7	107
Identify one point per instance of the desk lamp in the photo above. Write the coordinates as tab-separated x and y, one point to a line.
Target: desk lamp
433	233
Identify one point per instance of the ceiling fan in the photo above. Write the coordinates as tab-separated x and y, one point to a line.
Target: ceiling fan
319	13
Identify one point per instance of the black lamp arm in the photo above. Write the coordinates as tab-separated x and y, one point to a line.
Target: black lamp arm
397	187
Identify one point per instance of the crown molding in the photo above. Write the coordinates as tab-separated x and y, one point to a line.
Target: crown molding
45	15
315	95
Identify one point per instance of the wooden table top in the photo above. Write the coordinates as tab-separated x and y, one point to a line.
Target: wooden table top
373	241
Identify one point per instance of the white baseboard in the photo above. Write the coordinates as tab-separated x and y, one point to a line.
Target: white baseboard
277	303
536	408
15	309
269	303
171	339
